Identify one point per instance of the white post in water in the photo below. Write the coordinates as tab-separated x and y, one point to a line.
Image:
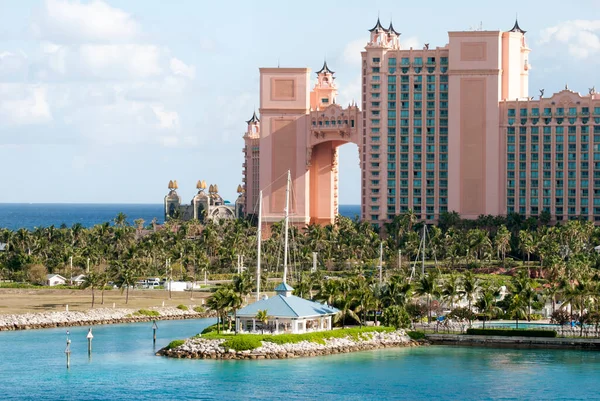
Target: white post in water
68	351
314	268
380	262
154	327
258	245
89	337
287	222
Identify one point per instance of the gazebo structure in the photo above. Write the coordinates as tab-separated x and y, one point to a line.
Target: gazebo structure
286	313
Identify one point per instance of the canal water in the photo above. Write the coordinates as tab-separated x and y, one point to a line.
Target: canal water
123	367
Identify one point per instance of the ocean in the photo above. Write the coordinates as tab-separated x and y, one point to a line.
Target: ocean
30	215
123	367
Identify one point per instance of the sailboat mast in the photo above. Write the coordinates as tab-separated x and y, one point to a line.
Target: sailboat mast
380	262
258	240
287	221
423	254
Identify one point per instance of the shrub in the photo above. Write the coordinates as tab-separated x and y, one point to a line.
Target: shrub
416	335
242	342
182	307
199	309
210	329
511	332
396	316
560	316
146	312
536	316
175	344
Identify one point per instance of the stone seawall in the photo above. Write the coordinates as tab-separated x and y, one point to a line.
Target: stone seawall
514	342
98	316
201	348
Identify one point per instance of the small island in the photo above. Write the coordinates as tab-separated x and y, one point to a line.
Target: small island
213	345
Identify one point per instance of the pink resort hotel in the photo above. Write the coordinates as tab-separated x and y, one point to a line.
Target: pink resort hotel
439	129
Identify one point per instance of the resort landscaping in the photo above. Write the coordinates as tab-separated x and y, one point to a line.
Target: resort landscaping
213	345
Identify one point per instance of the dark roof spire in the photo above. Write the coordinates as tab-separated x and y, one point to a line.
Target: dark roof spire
517	28
378	26
254	119
392	30
325	69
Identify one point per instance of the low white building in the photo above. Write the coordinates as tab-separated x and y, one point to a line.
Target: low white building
55	279
176	286
287	313
78	280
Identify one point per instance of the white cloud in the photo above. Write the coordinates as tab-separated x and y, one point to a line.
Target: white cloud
178	67
98	83
22	104
581	38
166	119
65	21
411	41
352	50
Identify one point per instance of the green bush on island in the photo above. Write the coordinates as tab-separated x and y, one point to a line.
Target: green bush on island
175	344
146	312
243	342
416	335
209	329
199	309
182	307
512	332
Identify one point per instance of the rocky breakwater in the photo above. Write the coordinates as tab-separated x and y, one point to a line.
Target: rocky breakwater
203	348
92	317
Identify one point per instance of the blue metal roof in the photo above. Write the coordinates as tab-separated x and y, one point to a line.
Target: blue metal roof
287	307
284	287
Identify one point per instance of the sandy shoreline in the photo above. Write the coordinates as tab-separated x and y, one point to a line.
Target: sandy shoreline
97	316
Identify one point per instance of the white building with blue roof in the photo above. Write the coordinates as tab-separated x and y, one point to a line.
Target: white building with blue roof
287	313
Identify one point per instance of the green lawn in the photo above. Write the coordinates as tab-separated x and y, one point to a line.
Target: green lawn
242	342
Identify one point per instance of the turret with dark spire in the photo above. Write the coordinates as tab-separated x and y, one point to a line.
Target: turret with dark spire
254	119
517	28
378	26
325	69
392	30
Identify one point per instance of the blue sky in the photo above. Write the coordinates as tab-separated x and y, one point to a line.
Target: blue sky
106	101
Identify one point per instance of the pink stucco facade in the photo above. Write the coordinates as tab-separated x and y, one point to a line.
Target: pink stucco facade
446	128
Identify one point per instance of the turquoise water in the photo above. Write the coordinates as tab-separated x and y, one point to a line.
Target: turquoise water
123	367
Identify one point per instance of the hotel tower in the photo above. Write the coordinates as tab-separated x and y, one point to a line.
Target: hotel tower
441	129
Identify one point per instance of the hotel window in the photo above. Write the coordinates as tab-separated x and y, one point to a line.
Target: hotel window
376	59
523	112
392	61
572	111
375	77
405	61
392	79
511	112
418	61
535	111
547	111
375	86
375	69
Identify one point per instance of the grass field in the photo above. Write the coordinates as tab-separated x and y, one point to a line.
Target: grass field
46	300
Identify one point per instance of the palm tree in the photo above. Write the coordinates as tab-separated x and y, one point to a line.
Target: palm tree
92	280
263	317
125	277
502	242
470	288
451	289
242	285
486	303
427	285
217	302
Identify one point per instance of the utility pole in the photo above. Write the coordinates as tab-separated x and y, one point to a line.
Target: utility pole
71	264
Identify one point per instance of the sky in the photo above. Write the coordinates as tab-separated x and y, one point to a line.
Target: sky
105	101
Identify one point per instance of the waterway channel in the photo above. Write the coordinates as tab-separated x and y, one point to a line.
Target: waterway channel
123	367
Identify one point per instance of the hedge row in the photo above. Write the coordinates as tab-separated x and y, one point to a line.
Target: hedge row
511	332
